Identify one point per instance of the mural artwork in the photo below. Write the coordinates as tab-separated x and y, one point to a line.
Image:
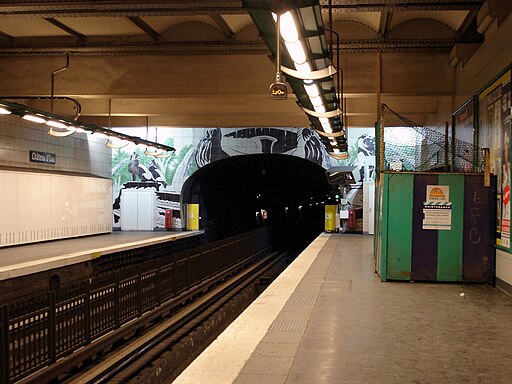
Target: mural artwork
197	147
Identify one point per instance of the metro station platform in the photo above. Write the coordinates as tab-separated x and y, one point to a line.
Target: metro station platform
329	319
22	260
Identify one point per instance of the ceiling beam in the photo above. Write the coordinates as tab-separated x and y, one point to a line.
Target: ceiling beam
119	8
121	46
224	27
7	38
66	29
386	16
468	31
366	46
111	48
145	27
400	5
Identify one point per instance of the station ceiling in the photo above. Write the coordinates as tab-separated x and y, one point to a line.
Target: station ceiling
202	63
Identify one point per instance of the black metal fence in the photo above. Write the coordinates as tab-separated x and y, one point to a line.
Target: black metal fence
37	331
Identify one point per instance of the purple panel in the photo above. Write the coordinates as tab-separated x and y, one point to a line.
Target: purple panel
424	241
479	213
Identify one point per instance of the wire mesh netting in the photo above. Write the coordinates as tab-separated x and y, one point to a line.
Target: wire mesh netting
407	146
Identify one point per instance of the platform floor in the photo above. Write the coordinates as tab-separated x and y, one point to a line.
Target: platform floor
329	319
22	260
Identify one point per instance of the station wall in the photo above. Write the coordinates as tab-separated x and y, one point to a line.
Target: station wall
482	92
68	195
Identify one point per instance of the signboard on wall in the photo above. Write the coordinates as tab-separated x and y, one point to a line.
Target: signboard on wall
42	157
437	209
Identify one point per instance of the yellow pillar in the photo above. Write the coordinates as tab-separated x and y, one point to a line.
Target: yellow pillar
330	218
193	217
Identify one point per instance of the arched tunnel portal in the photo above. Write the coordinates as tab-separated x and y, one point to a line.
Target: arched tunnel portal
241	193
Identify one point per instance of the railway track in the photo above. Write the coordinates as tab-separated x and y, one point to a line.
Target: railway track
122	354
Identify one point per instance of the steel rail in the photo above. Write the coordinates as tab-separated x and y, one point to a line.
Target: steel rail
127	363
126	331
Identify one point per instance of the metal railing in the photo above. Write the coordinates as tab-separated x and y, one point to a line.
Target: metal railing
37	331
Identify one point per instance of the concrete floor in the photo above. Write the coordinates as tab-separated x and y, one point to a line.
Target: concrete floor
342	325
365	331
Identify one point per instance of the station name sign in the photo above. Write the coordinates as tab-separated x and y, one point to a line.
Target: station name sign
42	157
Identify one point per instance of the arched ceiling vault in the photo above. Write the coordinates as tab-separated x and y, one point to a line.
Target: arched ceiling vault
202	63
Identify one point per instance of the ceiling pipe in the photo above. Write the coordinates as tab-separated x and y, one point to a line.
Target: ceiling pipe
278	49
330	29
22	110
53	80
78	106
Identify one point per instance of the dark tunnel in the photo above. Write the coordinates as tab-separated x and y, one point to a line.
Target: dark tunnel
241	193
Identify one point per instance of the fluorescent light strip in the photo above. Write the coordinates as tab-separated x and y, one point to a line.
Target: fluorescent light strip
101	135
62	128
296	52
164	156
152	151
67	132
34	119
304	68
327	128
290	35
326	124
56	124
320	109
116	143
288	29
312	90
316	101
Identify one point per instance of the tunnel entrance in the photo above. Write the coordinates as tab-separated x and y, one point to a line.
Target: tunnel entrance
241	193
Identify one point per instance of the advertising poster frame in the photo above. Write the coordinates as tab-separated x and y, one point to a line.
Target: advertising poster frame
464	129
494	132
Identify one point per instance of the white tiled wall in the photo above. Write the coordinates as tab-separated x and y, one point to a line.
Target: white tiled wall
44	206
43	201
79	153
504	266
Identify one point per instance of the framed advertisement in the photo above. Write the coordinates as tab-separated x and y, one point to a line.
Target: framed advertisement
463	123
494	132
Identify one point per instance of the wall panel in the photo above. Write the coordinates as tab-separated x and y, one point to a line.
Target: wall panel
450	249
45	206
399	221
504	266
424	243
78	153
412	250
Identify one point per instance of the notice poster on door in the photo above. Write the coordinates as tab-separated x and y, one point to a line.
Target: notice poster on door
437	209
